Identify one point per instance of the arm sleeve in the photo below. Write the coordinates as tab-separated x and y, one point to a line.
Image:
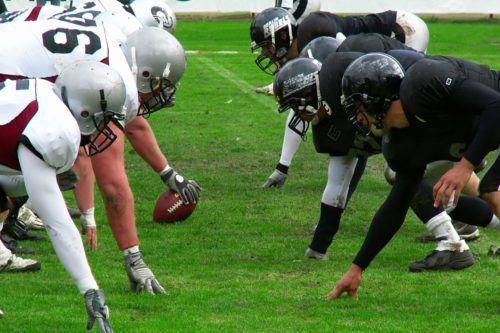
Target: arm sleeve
477	98
389	217
42	188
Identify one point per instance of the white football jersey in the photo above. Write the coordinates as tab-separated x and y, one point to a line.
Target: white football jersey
31	113
41	49
31	13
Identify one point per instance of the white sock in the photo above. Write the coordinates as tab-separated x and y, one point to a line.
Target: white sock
130	250
291	143
440	226
494	223
446	245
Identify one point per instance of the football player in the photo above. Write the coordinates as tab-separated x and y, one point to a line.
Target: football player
441	108
42	127
319	49
41	38
313	92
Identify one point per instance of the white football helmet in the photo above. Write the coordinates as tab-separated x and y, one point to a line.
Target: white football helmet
154	13
158	61
95	95
300	9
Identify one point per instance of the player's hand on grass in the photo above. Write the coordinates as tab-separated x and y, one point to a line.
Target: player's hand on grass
349	284
450	185
277	178
90	233
97	311
140	276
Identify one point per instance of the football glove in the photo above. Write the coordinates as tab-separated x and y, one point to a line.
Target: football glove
140	276
277	178
97	310
188	190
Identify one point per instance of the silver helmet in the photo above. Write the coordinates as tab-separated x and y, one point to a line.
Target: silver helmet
155	13
158	61
95	95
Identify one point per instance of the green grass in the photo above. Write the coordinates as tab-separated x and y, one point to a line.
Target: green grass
237	264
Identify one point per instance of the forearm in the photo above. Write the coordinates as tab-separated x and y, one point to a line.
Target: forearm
291	143
388	218
141	137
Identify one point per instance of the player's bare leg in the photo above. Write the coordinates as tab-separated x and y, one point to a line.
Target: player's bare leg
109	169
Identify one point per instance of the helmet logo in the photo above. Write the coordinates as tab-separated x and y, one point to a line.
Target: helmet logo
298	82
162	17
275	24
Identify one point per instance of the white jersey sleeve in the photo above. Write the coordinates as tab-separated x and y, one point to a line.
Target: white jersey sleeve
118	61
53	131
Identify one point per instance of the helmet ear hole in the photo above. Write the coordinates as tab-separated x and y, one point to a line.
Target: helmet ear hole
84	114
146	74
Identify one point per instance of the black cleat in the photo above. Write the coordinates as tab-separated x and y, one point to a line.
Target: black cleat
14	246
467	232
443	260
19	231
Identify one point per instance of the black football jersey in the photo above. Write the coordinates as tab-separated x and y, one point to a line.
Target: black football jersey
319	24
443	98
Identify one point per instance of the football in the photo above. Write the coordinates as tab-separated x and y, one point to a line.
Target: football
170	208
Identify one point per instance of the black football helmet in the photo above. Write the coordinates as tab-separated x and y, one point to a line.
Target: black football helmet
272	31
296	87
371	81
320	48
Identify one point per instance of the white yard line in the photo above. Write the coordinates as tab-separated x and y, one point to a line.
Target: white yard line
243	85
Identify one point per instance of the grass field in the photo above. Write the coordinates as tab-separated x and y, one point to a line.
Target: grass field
237	264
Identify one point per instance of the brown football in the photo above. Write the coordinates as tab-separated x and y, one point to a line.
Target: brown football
170	208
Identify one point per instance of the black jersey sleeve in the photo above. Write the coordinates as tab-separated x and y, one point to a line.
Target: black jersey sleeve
318	24
383	23
389	217
371	42
477	98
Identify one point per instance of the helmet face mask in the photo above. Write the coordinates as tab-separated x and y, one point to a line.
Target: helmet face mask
162	95
273	31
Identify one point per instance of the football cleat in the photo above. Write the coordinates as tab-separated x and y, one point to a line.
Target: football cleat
466	231
17	264
311	254
29	218
15	247
267	89
444	260
17	229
